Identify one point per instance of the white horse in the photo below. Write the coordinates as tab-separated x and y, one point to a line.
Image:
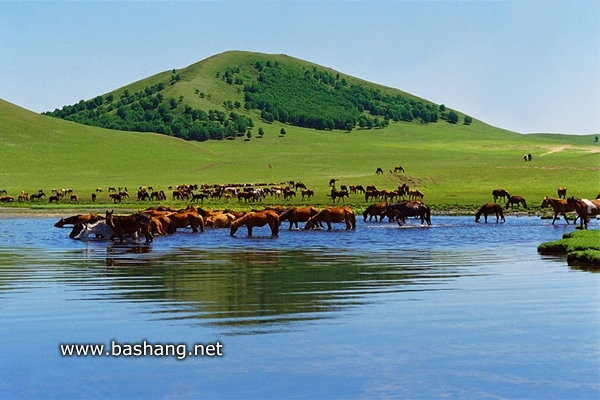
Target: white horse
100	231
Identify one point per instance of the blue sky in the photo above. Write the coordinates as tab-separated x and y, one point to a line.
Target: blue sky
528	66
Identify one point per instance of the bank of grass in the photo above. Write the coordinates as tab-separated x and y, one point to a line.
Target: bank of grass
582	248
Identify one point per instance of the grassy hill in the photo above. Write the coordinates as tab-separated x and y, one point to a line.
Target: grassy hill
453	164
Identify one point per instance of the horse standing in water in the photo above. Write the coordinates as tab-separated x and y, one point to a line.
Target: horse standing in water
488	209
410	209
260	218
584	208
333	214
560	207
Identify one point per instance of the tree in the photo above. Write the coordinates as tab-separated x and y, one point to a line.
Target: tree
442	108
249	134
468	120
452	117
261	131
282	131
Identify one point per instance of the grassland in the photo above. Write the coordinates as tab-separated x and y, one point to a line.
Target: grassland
452	165
455	165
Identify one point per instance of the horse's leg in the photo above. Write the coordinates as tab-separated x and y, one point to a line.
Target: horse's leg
328	225
249	230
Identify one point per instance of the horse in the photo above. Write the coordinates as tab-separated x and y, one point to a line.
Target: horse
416	194
185	219
512	200
562	192
374	194
337	194
54	198
85	230
287	194
379	171
93	197
37	196
560	206
410	209
23	197
260	218
332	182
398	168
74	197
78	219
584	208
7	199
500	194
375	210
221	220
115	197
488	209
307	193
300	185
295	215
333	214
129	224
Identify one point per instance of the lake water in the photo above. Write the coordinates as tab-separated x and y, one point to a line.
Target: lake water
457	309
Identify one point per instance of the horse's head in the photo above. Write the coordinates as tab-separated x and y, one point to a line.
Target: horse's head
545	202
234	228
60	223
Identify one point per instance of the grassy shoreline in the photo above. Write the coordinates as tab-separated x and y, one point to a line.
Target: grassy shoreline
582	248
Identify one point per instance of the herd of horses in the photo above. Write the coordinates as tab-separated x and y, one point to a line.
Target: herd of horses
155	221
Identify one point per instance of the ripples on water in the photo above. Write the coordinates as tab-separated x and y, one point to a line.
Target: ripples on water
293	283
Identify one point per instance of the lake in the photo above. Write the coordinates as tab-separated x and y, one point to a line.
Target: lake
457	309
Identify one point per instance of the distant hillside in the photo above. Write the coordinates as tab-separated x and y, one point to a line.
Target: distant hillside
219	98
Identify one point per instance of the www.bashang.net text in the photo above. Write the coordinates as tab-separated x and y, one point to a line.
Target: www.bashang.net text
142	349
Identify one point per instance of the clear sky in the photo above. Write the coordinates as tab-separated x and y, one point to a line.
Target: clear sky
528	66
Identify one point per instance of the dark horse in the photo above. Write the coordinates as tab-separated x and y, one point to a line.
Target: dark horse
410	209
488	209
500	194
584	208
129	224
515	200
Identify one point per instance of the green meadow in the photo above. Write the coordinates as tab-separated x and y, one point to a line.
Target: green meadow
452	165
455	165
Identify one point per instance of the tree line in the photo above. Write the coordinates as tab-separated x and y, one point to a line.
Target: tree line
150	111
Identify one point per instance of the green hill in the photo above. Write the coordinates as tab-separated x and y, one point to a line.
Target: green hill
221	96
451	163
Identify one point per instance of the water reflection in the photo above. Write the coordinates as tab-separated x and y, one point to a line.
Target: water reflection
244	287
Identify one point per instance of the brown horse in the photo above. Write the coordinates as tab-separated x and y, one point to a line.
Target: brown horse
376	210
307	193
416	194
221	220
500	194
260	218
185	219
562	192
78	219
295	215
560	206
584	208
129	225
488	209
512	200
333	214
398	168
7	199
379	171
